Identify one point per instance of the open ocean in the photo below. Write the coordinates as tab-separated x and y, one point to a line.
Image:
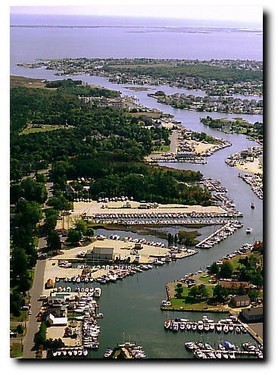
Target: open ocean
39	36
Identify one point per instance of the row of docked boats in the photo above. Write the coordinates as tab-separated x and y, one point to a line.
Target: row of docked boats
95	292
227	350
90	333
221	234
205	325
68	352
127	350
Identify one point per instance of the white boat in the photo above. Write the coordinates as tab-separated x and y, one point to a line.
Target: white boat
248	230
189	345
182	326
97	292
194	326
108	353
225	328
218	328
218	355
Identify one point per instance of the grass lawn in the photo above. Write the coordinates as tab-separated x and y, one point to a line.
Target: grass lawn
21	318
16	350
42	128
160	149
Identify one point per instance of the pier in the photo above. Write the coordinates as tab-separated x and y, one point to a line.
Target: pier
219	235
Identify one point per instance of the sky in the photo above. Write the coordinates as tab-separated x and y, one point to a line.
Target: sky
205	10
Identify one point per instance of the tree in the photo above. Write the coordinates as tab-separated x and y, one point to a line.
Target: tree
19	262
199	292
19	329
81	226
24	282
179	290
226	270
214	269
220	293
16	302
40	336
253	294
74	236
53	240
203	292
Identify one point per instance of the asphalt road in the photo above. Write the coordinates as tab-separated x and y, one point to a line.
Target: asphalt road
32	324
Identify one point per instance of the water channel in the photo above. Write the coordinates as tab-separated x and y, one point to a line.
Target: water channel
131	307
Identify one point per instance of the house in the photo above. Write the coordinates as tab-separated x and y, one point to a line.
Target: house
100	254
252	314
240	301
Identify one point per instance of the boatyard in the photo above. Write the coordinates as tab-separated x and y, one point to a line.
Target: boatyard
187	147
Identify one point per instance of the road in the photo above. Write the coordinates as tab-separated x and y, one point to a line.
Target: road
32	324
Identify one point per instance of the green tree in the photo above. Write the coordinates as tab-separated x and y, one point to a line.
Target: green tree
40	336
74	236
53	240
220	293
214	269
226	270
81	226
19	262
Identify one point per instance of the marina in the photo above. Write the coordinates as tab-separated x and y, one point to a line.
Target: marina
224	351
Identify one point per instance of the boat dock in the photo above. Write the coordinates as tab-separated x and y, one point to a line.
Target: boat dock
206	325
227	230
224	351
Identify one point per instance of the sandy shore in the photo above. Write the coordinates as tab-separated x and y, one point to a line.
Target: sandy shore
251	167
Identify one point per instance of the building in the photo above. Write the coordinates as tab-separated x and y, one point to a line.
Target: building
100	254
240	301
252	314
232	284
56	321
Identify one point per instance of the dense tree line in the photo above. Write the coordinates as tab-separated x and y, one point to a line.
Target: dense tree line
27	198
198	71
95	130
107	145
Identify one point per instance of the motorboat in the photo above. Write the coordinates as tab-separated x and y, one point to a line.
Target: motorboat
248	230
189	345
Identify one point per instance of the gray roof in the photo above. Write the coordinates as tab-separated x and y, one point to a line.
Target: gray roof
253	311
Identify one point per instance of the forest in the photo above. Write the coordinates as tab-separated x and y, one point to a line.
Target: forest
103	144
